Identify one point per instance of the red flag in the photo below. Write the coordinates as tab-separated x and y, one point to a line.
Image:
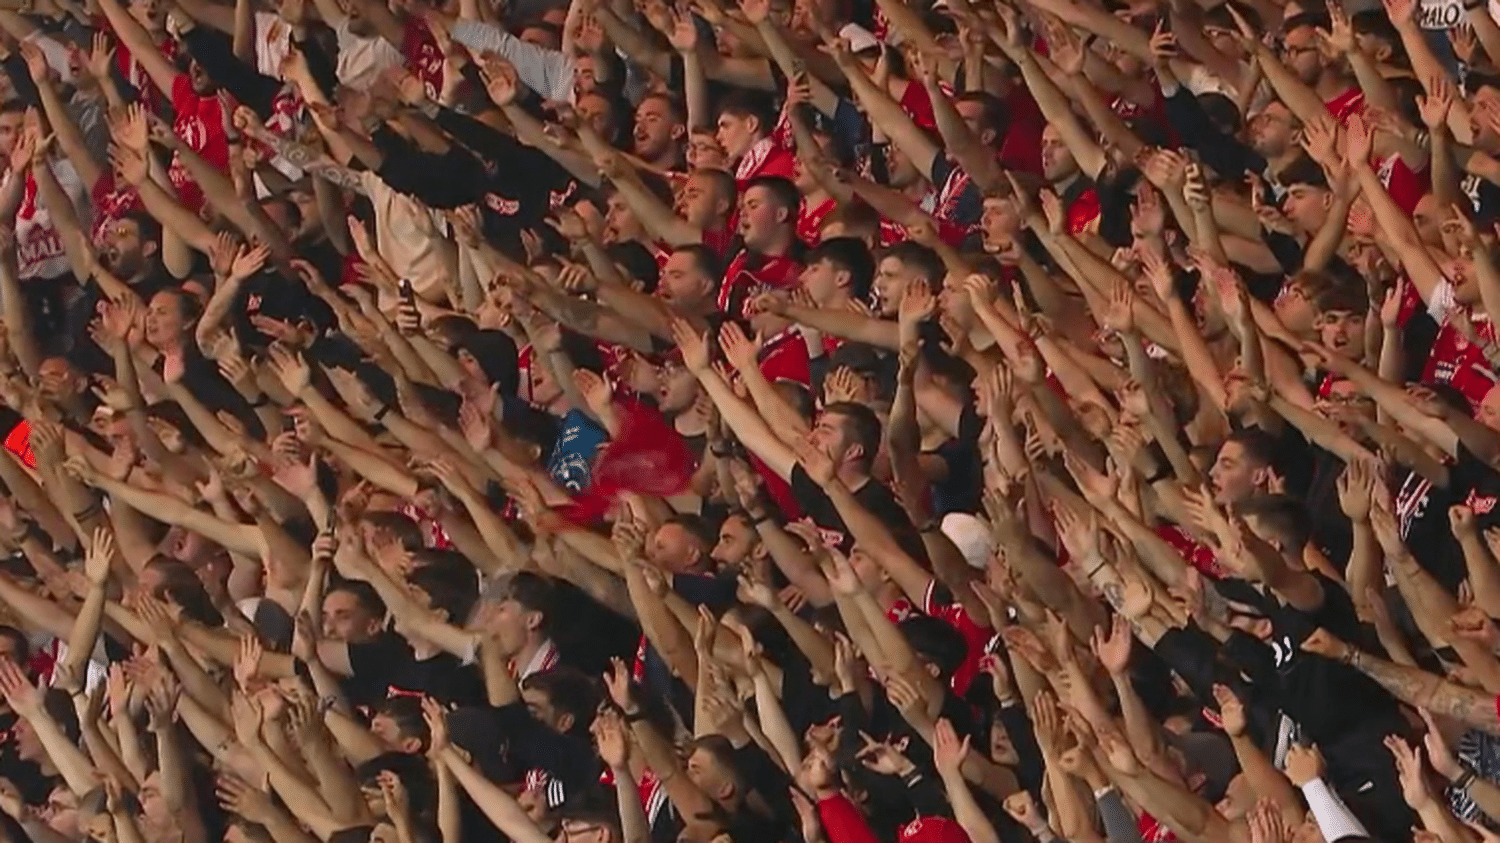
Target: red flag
649	457
18	442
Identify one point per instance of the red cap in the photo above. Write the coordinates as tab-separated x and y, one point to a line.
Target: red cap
934	830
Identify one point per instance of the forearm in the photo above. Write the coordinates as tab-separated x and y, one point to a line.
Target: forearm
71	763
967	811
497	535
85	632
336	782
668	637
300	798
99	746
500	807
236	537
772	406
848	325
1418	688
36	610
19	331
174	216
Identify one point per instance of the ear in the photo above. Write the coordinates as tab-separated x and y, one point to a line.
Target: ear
565	723
679	131
1261	477
148	248
533	621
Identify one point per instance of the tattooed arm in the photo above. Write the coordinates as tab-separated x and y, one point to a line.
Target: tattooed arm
1415	686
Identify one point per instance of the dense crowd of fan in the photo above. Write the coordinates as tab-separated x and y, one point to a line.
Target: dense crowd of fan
836	421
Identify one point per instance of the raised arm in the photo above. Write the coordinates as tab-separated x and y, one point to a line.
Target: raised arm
142	48
747	424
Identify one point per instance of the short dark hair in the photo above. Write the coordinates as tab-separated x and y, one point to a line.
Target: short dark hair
674	105
446	593
994	115
850	255
1260	447
783	193
444	559
407	714
1283	516
1303	170
571	691
1474	81
742	103
724	183
707	260
534	592
147	225
363	593
860	424
923	260
936	642
1342	298
18	642
181	585
695	527
404	527
456	326
412	770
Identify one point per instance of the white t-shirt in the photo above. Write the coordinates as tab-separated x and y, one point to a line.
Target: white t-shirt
56	54
39	248
408	235
363	59
273	38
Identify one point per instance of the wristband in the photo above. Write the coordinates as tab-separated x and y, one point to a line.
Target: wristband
1465	778
635	717
380	414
